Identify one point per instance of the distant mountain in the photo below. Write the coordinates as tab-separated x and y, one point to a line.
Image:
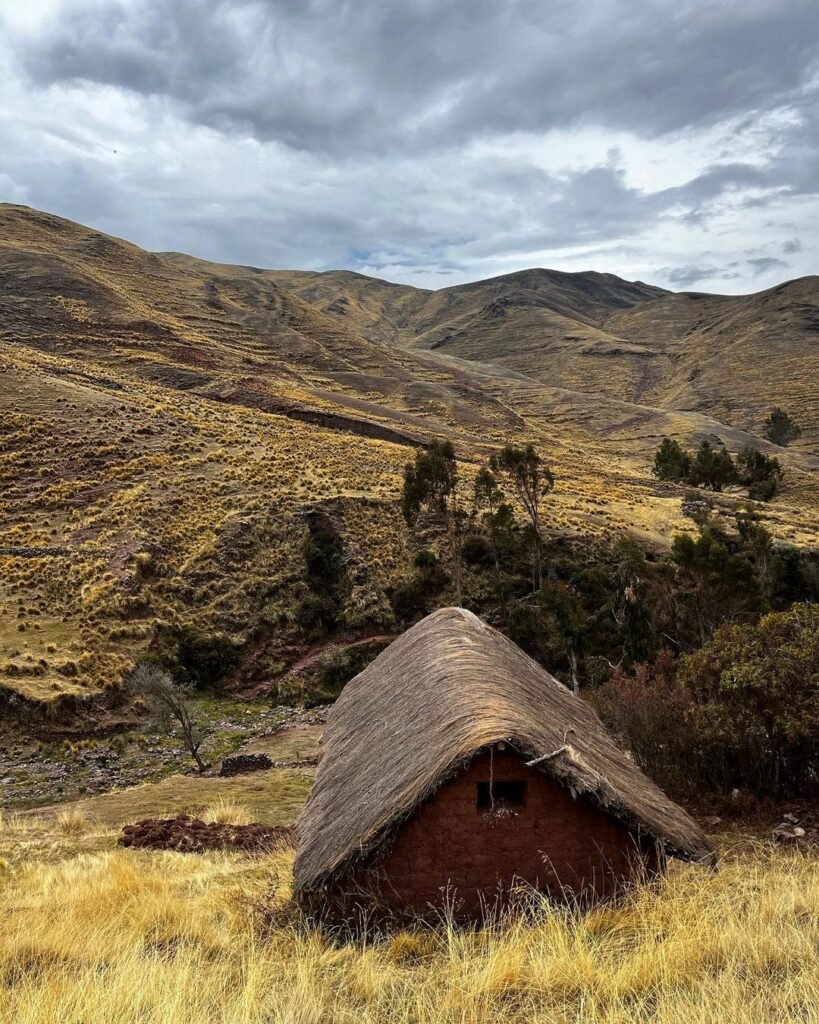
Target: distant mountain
732	357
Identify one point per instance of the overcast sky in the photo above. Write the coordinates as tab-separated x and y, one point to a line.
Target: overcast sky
427	141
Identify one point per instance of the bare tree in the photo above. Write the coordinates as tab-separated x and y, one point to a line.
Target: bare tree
169	701
530	479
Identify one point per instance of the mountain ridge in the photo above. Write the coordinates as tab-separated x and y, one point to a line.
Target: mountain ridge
170	425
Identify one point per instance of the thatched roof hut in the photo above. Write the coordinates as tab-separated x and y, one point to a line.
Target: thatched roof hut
448	689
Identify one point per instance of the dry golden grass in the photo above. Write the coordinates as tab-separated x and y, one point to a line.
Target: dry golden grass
227	812
72	822
168	938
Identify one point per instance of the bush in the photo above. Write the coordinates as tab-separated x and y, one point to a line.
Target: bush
780	428
671	462
754	698
648	711
477	551
416	597
761	473
739	713
316	615
193	656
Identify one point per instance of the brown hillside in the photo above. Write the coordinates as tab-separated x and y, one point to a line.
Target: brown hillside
167	423
731	357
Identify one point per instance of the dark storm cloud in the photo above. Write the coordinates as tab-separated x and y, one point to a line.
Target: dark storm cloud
336	75
431	140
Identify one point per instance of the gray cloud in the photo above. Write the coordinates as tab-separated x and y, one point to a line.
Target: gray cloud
434	142
686	277
762	264
390	73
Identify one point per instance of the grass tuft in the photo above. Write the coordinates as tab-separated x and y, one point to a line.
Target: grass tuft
227	812
72	822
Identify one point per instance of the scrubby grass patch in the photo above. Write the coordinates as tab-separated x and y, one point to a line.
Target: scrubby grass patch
133	936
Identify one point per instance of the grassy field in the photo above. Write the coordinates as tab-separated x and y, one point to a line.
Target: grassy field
94	934
164	938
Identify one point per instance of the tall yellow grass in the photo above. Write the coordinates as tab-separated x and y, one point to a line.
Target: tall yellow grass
170	939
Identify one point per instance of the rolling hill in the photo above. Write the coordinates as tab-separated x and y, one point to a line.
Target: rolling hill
170	425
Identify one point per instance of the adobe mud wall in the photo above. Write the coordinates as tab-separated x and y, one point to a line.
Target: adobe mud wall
554	843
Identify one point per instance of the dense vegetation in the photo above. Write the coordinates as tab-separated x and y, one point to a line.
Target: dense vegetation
679	653
714	469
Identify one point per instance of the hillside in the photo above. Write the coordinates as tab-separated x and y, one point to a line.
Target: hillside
729	357
169	426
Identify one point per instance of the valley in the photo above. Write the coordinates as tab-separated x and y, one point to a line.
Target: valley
169	427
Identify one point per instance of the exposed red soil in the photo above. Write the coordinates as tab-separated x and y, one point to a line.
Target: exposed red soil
191	835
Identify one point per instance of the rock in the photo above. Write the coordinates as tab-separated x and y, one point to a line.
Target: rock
791	819
788	833
241	763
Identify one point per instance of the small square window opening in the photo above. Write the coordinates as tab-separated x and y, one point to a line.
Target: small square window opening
506	796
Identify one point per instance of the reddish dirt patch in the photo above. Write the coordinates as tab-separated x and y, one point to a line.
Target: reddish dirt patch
191	835
191	356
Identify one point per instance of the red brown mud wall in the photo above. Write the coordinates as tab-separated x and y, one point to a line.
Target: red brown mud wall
553	842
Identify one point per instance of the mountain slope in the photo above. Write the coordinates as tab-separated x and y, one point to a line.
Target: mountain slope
170	426
732	357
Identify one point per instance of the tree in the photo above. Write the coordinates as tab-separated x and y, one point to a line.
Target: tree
530	479
497	514
714	584
431	485
671	462
168	701
755	693
430	481
757	545
761	474
712	468
568	622
780	428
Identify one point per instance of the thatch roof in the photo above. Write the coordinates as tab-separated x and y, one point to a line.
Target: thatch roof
446	689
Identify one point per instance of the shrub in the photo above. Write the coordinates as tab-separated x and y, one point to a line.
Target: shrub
477	551
739	713
780	428
199	658
754	698
712	468
761	473
315	615
648	711
671	462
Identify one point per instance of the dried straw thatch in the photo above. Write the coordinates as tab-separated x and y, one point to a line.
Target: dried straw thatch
446	689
